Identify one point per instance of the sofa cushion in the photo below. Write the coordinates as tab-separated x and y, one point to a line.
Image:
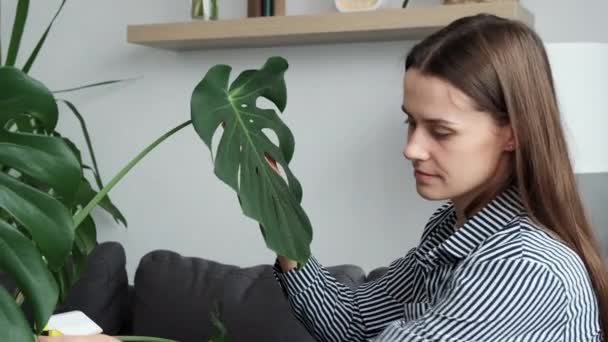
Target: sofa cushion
376	274
175	295
102	290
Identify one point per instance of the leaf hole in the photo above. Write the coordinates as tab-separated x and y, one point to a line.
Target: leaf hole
215	140
282	173
238	179
264	103
271	135
14	173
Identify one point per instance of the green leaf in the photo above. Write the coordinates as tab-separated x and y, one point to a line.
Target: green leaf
18	26
220	333
13	326
48	221
241	155
47	159
32	58
86	194
80	261
20	258
21	94
74	150
65	278
1	16
86	236
87	138
92	85
111	209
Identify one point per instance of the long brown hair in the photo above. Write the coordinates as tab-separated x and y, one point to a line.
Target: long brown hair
503	66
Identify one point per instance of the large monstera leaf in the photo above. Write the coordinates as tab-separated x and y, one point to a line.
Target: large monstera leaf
20	257
40	173
243	150
19	93
41	186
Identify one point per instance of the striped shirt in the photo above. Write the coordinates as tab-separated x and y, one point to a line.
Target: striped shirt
498	277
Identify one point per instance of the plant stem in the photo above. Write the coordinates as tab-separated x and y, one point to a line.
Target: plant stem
87	139
82	214
68	90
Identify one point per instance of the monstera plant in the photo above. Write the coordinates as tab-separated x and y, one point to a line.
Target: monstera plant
35	154
246	158
46	231
42	184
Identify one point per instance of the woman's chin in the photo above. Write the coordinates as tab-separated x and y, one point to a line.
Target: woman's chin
430	192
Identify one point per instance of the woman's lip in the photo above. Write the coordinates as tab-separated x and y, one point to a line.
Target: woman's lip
423	177
423	174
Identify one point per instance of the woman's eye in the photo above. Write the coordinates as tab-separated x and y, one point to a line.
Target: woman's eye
438	133
441	134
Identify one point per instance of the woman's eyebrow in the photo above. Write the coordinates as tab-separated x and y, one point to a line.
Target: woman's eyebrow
435	121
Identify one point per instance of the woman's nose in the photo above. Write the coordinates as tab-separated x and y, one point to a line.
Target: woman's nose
415	148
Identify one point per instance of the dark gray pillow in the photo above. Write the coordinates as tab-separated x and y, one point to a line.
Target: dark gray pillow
174	296
102	291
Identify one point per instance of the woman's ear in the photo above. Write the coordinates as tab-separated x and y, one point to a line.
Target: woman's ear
509	144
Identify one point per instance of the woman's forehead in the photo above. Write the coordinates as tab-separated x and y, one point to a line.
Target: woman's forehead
431	96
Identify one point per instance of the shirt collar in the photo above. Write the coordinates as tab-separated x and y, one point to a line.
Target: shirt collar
461	242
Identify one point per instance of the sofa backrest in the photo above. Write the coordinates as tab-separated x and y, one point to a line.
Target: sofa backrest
175	295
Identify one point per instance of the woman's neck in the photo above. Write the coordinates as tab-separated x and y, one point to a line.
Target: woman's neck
473	201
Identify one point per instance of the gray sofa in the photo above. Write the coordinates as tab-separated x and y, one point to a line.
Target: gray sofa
173	296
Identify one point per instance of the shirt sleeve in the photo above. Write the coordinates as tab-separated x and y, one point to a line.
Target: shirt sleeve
496	300
333	312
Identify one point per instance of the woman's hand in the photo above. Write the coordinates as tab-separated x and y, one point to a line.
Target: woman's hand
90	338
286	264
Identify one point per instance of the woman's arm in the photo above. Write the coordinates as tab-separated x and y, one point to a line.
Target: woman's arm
510	299
333	312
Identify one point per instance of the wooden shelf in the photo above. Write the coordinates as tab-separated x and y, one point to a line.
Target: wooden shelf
412	23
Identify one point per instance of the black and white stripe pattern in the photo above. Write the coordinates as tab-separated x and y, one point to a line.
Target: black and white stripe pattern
499	277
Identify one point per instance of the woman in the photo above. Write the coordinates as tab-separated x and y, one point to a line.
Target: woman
510	256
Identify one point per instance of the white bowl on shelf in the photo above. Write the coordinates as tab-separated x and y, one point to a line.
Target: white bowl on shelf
345	6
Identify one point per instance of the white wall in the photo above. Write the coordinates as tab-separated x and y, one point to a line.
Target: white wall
343	107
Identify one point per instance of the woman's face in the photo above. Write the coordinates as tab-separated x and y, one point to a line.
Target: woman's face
455	150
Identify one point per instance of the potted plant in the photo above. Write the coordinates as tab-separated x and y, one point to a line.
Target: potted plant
46	202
